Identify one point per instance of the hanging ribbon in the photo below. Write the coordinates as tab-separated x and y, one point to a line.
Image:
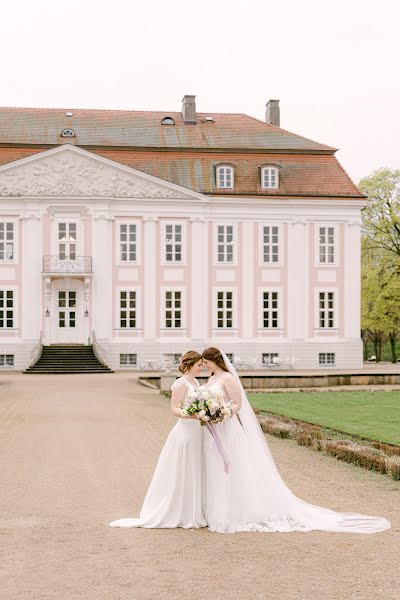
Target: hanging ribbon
221	449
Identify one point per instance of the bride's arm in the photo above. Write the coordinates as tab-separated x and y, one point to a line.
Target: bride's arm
178	396
233	390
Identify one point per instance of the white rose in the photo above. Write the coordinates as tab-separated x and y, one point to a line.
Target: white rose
214	407
201	413
205	418
205	395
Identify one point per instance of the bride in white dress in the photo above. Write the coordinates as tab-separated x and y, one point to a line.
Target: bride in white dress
252	496
174	496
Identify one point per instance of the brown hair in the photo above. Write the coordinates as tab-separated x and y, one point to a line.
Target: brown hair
216	357
189	359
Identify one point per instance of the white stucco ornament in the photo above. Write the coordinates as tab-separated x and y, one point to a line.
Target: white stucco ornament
73	172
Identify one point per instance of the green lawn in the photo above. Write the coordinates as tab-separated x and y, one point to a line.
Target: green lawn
374	415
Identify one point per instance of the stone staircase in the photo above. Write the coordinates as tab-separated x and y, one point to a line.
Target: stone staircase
68	358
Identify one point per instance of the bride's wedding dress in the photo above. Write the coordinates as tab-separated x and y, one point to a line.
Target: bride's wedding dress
174	496
253	496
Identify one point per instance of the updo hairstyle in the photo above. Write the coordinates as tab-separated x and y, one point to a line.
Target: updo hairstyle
216	357
189	359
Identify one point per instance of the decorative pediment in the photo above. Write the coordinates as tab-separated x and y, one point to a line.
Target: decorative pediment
68	171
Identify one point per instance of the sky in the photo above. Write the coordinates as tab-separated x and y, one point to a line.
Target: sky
334	66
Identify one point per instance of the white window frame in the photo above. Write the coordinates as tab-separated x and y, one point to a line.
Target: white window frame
118	223
280	245
128	365
326	363
269	168
271	289
235	232
128	288
222	288
79	234
3	358
163	307
224	168
15	223
335	292
164	261
14	289
335	262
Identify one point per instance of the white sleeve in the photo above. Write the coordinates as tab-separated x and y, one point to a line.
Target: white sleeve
177	383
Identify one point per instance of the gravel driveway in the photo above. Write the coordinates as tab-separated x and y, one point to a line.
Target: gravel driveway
77	451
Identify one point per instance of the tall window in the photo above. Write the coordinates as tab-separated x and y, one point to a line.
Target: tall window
67	241
127	309
326	310
6	241
271	244
173	309
269	178
224	309
6	309
128	242
67	308
225	243
173	243
326	245
270	309
224	177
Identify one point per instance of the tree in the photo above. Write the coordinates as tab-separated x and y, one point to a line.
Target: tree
381	216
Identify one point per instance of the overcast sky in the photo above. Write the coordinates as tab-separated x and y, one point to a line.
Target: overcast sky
333	65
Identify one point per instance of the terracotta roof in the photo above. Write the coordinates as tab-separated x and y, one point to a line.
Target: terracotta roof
300	175
108	128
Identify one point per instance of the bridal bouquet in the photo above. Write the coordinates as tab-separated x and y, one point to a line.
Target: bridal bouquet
208	404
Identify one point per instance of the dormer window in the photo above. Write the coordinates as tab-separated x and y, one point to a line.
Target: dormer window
269	178
224	177
68	133
167	121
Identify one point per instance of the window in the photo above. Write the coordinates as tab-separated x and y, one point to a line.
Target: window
326	245
326	310
173	359
67	308
271	244
67	241
269	178
230	356
173	243
224	174
225	243
127	309
326	358
168	121
128	360
224	309
268	358
68	133
6	241
6	309
128	242
270	315
6	360
173	309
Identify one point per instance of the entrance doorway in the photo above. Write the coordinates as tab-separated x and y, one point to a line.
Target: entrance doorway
67	325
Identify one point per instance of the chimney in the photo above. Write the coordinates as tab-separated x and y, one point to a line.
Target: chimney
272	113
189	109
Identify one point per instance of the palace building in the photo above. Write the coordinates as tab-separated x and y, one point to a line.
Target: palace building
146	234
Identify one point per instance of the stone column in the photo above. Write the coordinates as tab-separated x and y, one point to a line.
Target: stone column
198	311
102	289
150	270
298	273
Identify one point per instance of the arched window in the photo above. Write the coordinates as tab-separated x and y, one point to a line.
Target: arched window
68	133
167	121
224	177
269	178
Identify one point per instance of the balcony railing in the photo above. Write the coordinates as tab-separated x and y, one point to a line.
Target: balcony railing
55	264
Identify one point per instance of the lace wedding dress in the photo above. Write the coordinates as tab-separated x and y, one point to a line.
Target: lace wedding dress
174	496
253	496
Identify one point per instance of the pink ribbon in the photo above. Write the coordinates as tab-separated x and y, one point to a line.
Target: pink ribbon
220	447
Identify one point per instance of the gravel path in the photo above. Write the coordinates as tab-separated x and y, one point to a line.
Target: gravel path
79	451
